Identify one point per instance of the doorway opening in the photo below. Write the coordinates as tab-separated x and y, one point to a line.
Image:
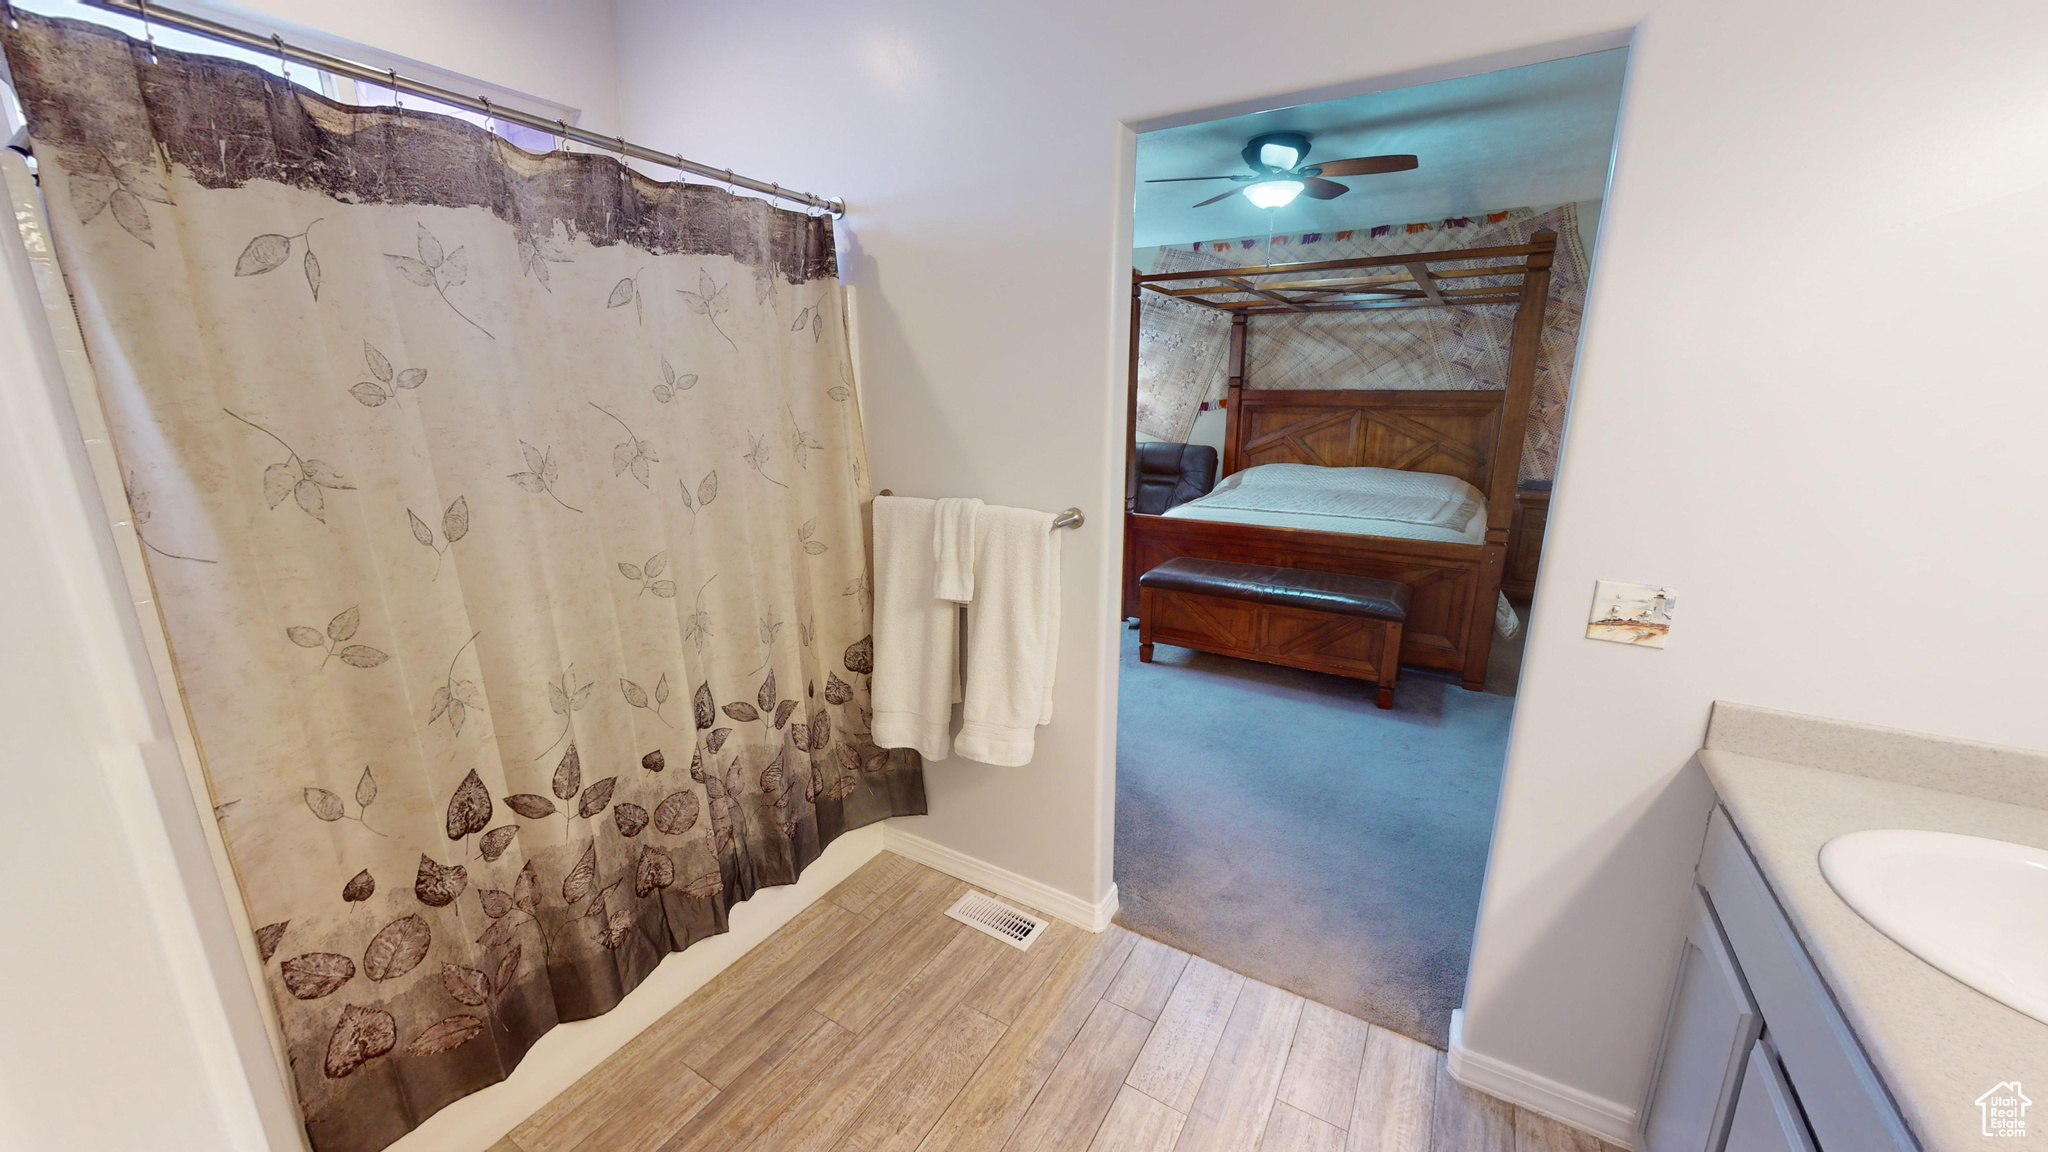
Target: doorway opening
1354	324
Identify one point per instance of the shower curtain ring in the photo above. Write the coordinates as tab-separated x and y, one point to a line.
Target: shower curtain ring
395	100
148	29
490	120
562	137
283	67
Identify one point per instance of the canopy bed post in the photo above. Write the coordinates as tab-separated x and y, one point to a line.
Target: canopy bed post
1131	407
1507	452
1232	450
1131	443
1521	383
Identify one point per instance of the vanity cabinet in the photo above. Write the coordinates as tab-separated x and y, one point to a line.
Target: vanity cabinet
1766	1118
1756	1056
1711	1027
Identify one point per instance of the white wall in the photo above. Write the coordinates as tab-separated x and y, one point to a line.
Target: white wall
1840	481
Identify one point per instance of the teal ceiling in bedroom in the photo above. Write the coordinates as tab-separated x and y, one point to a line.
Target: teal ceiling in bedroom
1534	135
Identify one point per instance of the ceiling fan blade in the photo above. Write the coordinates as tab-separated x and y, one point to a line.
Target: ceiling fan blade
1366	165
1322	189
1214	199
1185	179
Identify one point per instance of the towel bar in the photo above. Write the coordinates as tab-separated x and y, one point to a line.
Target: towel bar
1071	518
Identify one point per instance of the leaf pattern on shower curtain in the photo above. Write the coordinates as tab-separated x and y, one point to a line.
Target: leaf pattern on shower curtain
456	825
128	188
632	454
332	641
456	698
536	252
387	382
672	384
454	526
542	470
627	291
269	251
438	269
362	1035
301	478
444	1035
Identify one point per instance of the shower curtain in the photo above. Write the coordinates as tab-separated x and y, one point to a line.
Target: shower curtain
504	514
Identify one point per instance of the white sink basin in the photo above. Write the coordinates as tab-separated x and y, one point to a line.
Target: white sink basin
1975	908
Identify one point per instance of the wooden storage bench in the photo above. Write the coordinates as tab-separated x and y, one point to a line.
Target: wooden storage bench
1322	621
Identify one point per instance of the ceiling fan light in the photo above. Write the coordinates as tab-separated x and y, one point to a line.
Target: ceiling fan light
1273	193
1279	156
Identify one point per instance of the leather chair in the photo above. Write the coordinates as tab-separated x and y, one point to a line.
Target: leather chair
1172	474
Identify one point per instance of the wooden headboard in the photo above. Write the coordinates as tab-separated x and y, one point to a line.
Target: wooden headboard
1453	433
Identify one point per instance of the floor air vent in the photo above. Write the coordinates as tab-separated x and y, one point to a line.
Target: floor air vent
996	918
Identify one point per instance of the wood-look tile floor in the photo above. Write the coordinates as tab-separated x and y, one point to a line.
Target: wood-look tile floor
872	1021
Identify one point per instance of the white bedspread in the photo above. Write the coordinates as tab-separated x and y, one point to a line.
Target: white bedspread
1356	501
1424	499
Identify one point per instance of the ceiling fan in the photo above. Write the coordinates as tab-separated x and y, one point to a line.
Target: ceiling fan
1278	174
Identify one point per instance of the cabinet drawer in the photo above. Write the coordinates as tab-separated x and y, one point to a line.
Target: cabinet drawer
1844	1101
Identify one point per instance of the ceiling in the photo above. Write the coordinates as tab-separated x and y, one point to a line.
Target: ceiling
1536	135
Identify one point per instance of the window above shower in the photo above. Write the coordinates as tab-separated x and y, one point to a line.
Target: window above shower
341	88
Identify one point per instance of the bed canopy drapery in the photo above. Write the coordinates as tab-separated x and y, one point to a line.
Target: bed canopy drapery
1182	345
1474	435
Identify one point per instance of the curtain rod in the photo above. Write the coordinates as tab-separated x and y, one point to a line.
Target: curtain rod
150	13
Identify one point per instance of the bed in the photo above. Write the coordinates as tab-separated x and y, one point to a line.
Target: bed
1463	442
1383	502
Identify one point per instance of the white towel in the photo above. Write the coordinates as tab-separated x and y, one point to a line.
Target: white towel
953	548
1013	629
917	635
1505	621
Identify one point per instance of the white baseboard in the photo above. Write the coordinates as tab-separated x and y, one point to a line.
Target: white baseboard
1094	917
478	1121
1612	1122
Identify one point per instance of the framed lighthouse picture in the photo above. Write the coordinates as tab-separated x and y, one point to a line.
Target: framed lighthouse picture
1637	614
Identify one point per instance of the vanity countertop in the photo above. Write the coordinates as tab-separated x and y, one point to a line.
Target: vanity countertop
1937	1043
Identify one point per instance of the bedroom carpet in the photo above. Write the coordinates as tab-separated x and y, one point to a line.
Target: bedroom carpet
1273	821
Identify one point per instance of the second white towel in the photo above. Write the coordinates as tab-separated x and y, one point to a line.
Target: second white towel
1013	630
953	548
